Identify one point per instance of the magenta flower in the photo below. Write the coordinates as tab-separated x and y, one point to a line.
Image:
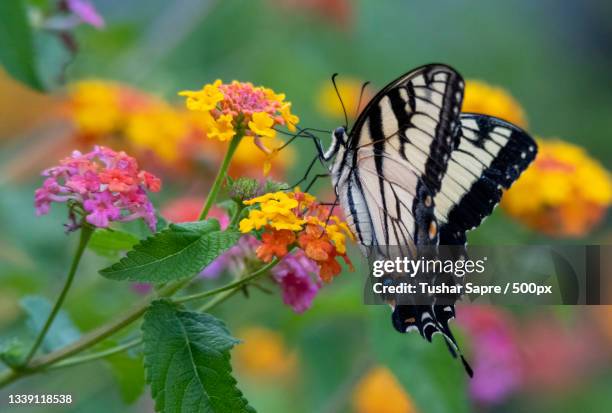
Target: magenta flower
498	362
103	185
298	277
85	11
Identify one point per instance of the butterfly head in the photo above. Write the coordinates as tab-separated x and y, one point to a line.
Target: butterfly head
340	136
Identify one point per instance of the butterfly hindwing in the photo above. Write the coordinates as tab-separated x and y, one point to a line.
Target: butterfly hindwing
490	156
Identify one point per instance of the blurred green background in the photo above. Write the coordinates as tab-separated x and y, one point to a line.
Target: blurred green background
553	57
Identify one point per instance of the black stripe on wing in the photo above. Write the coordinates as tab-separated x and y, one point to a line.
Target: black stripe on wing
501	152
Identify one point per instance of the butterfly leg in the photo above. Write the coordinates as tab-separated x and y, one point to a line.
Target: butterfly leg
316	177
310	166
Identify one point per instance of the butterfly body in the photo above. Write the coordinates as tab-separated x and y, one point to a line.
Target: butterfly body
414	171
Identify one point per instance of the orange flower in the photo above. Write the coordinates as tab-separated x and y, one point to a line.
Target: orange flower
380	392
564	193
318	247
275	243
264	355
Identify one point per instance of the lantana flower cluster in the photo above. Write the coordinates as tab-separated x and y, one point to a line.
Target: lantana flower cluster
295	219
565	193
237	107
111	113
103	185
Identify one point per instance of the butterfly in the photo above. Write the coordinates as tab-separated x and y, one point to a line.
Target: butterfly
414	170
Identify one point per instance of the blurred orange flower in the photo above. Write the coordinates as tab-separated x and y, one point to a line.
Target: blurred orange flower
480	97
380	392
564	193
264	354
116	114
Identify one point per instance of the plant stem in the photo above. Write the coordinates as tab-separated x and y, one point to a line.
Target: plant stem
86	232
232	286
222	294
98	355
212	195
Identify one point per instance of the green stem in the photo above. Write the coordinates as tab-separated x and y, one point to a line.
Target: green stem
98	355
231	286
86	232
54	360
212	195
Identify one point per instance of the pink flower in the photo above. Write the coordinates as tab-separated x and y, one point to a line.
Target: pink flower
101	209
86	11
298	277
498	363
107	185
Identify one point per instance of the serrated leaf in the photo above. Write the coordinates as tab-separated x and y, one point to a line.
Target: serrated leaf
17	51
427	371
176	252
187	362
110	243
62	331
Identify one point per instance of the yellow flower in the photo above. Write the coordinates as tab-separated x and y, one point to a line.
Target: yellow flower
222	129
94	107
204	100
271	95
264	355
268	162
337	232
481	97
160	130
255	221
262	124
349	88
276	210
564	192
290	119
380	392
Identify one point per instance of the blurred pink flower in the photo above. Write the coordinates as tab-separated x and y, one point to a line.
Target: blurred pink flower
235	259
498	365
298	277
85	11
557	356
187	209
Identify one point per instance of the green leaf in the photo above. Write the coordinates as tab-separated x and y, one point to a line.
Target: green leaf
176	252
62	331
12	352
17	53
110	243
427	371
187	362
128	372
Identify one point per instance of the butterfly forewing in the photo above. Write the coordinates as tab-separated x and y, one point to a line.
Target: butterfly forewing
397	151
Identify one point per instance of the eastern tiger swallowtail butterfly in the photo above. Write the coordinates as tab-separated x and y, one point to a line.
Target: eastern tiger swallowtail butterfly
414	170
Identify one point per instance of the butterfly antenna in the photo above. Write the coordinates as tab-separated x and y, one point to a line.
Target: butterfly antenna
363	87
333	78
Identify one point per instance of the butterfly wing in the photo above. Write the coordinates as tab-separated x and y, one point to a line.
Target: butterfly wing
396	158
489	156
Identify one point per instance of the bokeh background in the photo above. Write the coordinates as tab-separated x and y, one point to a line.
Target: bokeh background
551	61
